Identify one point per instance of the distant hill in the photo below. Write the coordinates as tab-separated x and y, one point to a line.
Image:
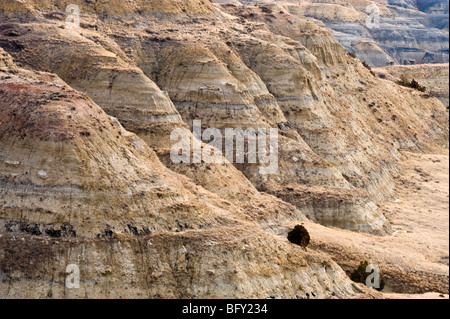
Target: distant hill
404	32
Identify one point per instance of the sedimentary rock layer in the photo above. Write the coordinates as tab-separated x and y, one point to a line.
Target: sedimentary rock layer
70	171
379	32
78	189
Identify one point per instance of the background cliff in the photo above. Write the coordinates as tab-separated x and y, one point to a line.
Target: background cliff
380	32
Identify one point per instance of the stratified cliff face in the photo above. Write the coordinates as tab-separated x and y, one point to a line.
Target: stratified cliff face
266	71
206	82
380	32
314	89
76	188
190	230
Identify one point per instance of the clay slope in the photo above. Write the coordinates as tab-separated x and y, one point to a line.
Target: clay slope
168	8
260	72
125	92
76	188
322	103
380	32
113	83
342	132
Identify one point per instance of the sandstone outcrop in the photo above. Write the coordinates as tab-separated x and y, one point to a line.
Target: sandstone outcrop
76	188
400	32
193	229
239	99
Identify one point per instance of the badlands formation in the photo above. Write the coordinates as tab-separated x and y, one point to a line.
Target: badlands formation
86	176
379	32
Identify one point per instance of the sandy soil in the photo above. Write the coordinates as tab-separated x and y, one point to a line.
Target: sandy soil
415	259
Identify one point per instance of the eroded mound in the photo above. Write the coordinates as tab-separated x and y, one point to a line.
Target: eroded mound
76	188
71	171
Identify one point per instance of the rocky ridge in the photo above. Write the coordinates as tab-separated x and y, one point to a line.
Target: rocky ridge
380	32
157	69
93	194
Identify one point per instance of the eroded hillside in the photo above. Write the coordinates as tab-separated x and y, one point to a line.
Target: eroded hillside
70	170
380	32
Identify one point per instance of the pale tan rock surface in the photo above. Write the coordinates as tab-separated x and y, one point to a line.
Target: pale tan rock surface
403	32
414	259
159	65
76	188
97	72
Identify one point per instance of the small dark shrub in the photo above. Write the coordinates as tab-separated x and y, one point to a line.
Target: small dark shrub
266	9
367	66
299	236
411	84
352	55
417	86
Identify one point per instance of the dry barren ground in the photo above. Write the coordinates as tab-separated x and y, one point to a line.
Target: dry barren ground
415	259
